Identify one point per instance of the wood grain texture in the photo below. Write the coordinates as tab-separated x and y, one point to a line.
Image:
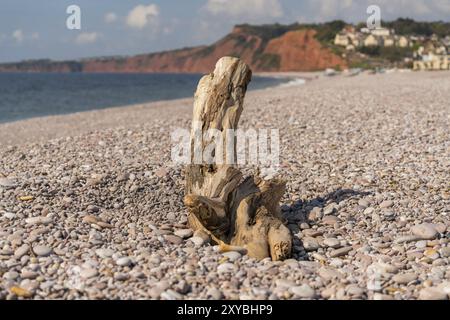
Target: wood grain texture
239	214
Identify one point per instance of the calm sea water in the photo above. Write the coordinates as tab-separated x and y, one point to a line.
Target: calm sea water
25	95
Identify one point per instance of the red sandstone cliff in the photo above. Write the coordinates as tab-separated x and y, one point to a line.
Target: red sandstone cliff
286	50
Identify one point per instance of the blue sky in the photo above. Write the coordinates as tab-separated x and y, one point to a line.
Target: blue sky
31	29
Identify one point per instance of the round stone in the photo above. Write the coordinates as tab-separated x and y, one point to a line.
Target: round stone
215	294
330	209
26	274
284	283
355	291
226	268
9	215
197	241
386	204
21	251
232	255
445	252
432	294
336	262
404	278
184	233
340	252
421	244
425	231
303	291
42	251
38	220
431	253
173	239
121	276
363	203
123	262
11	275
7	183
310	244
332	243
88	273
104	253
330	220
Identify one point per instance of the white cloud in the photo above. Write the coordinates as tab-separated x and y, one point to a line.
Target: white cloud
87	38
443	5
355	10
110	17
35	36
142	15
405	7
238	8
329	8
18	36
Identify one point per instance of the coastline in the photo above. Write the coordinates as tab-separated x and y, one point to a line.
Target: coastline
63	94
38	129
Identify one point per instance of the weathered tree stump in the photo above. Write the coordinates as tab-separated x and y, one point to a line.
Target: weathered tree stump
239	214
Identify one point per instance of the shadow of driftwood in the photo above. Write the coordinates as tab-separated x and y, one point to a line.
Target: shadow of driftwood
307	206
299	211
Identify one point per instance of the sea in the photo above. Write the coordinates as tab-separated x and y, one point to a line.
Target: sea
28	95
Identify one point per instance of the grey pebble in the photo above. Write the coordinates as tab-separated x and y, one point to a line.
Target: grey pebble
340	252
386	204
21	251
184	233
11	275
197	241
124	262
232	255
303	291
226	268
9	215
7	183
432	294
104	253
88	273
404	278
332	243
425	231
310	244
41	250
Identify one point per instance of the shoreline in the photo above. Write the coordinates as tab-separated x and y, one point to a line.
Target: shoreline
40	129
287	78
57	125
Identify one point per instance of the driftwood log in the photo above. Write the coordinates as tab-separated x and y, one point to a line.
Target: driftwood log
238	214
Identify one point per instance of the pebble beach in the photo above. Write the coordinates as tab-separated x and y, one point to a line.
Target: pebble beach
91	206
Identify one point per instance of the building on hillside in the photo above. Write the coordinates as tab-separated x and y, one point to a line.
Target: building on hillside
341	39
381	32
441	50
356	39
388	41
431	58
446	41
432	62
403	42
350	47
371	41
348	38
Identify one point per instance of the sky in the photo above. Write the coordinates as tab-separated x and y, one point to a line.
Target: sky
31	29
